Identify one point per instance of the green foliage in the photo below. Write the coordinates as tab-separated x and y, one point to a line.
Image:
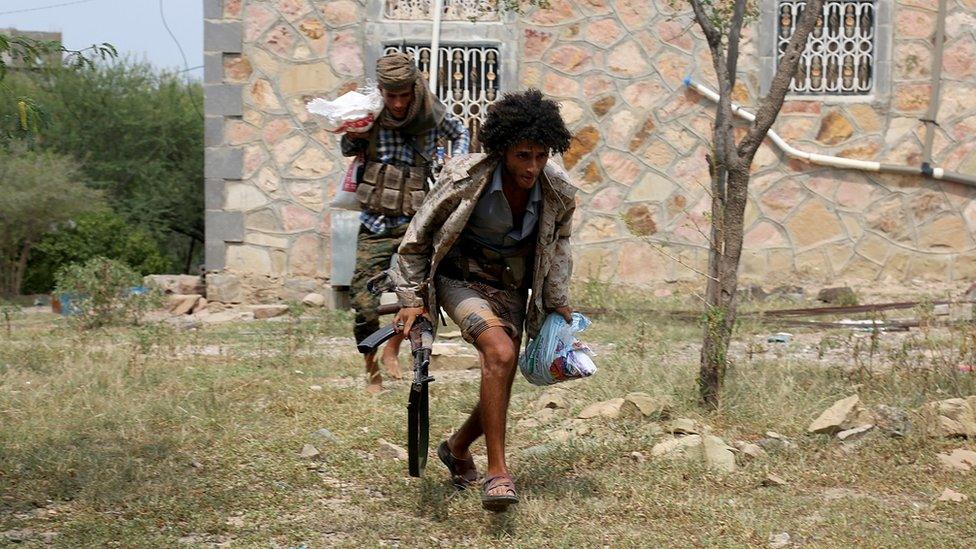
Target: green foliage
103	233
39	191
101	293
138	136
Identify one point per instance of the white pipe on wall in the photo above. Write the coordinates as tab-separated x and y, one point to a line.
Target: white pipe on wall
435	46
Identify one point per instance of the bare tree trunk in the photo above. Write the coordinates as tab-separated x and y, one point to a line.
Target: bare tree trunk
729	167
20	268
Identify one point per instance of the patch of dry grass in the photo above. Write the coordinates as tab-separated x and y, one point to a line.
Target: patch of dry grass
156	437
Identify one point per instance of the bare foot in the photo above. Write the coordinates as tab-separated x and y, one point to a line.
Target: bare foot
374	388
391	361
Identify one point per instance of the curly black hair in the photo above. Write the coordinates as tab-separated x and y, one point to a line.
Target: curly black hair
524	116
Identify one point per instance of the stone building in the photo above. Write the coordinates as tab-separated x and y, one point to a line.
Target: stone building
617	67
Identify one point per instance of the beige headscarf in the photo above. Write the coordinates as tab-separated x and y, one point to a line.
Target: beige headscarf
397	71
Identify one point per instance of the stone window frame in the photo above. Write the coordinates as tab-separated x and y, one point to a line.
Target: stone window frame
768	20
501	34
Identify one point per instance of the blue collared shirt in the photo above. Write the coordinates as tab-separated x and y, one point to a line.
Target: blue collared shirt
492	223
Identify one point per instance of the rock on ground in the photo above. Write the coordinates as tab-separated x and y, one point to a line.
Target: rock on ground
314	300
178	304
268	311
309	452
955	417
837	296
958	460
844	414
614	408
951	495
651	406
391	451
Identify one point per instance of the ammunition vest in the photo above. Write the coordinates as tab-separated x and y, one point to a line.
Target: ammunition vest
509	269
393	189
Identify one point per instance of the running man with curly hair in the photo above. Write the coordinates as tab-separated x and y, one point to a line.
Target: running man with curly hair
491	246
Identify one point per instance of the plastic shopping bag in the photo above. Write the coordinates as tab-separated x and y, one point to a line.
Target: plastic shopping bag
355	110
345	196
556	354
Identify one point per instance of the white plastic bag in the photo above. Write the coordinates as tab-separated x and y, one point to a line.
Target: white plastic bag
556	354
355	110
345	195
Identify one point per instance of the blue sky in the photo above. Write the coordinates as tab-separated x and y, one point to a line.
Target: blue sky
134	27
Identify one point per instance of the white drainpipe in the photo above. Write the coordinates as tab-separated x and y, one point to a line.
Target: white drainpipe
835	161
435	45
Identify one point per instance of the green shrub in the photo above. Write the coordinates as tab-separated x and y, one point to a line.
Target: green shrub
101	292
102	233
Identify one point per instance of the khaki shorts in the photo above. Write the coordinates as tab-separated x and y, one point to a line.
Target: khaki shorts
475	307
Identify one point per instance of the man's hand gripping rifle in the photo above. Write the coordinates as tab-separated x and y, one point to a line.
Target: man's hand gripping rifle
421	343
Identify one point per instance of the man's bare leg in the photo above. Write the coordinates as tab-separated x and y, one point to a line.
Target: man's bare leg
499	353
373	378
391	353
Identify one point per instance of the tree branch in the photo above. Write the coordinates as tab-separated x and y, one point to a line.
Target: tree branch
735	32
770	105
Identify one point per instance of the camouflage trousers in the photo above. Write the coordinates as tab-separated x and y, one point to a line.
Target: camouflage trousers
373	254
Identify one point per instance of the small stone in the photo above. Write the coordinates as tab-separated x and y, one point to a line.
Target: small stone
718	454
638	458
268	311
951	495
840	416
314	387
849	433
388	450
779	541
774	434
309	452
314	300
689	446
954	417
683	426
614	408
182	304
326	434
838	296
651	406
545	415
892	421
773	480
958	460
749	450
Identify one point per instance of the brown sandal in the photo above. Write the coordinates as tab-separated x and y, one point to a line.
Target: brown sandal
463	471
498	502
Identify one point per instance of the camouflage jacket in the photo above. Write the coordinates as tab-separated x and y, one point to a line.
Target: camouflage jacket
439	222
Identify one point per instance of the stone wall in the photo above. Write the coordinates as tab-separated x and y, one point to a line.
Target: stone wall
617	69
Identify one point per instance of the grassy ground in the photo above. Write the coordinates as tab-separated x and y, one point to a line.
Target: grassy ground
157	437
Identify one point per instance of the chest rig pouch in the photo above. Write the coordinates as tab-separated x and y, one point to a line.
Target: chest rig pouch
509	269
393	189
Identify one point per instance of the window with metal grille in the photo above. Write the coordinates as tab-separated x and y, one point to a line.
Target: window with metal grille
840	55
467	80
454	10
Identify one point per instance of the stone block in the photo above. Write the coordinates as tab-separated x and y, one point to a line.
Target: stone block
225	288
215	255
223	99
213	131
213	68
223	36
225	226
213	194
213	9
221	162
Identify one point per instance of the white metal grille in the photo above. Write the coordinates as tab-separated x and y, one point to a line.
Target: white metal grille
467	80
839	57
454	10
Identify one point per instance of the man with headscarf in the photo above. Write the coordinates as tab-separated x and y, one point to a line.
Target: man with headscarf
399	152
